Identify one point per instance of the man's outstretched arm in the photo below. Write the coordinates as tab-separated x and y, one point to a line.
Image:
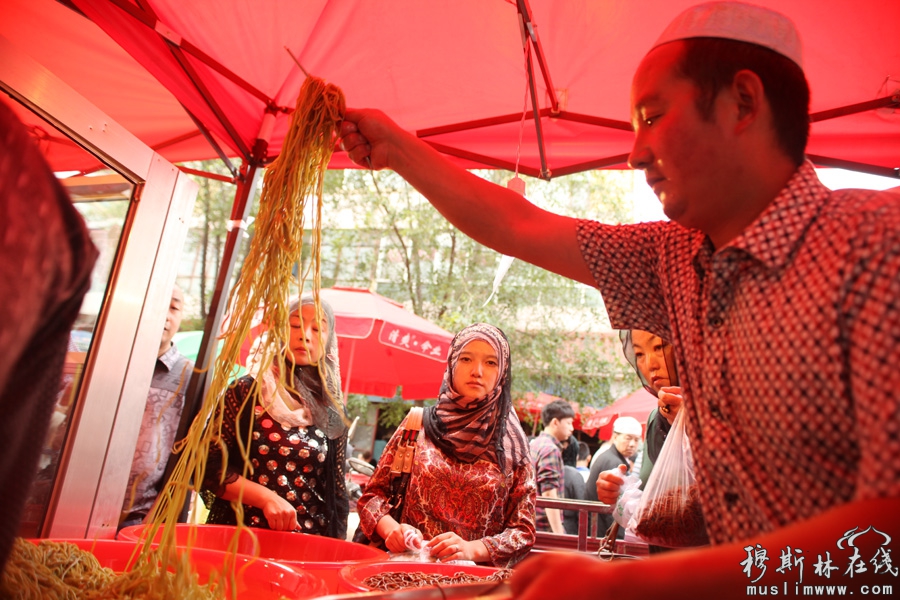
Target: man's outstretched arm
492	215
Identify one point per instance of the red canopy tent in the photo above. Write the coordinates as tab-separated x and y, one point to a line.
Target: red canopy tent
382	346
455	73
218	78
206	78
529	408
637	404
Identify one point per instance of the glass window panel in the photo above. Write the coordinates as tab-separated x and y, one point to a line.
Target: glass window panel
103	198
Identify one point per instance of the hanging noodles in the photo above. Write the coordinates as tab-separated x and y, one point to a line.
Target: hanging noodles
265	284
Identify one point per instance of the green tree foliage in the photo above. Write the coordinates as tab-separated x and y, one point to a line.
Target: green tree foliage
206	238
382	235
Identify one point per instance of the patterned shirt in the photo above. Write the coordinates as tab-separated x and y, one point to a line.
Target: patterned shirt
301	464
546	454
476	500
788	342
159	426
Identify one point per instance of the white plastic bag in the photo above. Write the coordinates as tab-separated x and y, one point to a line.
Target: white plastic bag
628	501
669	513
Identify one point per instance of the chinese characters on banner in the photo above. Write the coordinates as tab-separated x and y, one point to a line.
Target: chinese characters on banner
413	341
857	552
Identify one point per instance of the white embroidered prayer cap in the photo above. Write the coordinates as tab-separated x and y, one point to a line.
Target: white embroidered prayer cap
737	21
627	425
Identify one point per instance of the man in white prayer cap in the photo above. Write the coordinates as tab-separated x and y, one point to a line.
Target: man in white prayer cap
778	295
626	440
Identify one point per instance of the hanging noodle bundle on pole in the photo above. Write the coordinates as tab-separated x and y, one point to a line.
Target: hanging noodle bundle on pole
265	285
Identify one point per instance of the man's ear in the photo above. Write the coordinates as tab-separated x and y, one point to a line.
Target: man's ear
749	96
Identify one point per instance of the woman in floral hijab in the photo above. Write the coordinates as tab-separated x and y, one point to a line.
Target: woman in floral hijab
471	493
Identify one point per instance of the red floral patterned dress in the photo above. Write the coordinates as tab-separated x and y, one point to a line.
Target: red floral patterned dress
476	501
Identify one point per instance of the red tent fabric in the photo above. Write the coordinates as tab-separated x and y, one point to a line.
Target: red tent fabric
637	404
88	60
431	65
533	404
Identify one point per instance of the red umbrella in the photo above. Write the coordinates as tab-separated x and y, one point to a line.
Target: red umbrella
638	404
382	345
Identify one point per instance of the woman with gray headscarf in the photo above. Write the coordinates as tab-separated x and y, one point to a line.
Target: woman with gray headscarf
294	431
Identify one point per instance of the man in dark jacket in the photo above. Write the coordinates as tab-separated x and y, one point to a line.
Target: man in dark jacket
626	439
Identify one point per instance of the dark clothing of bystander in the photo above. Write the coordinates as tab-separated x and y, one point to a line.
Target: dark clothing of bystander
574	490
609	459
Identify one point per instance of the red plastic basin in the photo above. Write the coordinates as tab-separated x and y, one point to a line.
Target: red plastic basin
257	579
321	556
353	576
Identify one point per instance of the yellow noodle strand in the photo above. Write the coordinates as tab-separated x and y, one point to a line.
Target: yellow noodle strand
265	284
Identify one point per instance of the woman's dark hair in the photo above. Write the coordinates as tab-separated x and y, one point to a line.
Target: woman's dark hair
711	64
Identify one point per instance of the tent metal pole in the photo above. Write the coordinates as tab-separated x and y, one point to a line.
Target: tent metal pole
591	120
515	117
210	101
239	212
531	30
483	159
147	16
497	163
466	125
206	353
206	174
177	45
600	163
852	109
207	135
545	172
